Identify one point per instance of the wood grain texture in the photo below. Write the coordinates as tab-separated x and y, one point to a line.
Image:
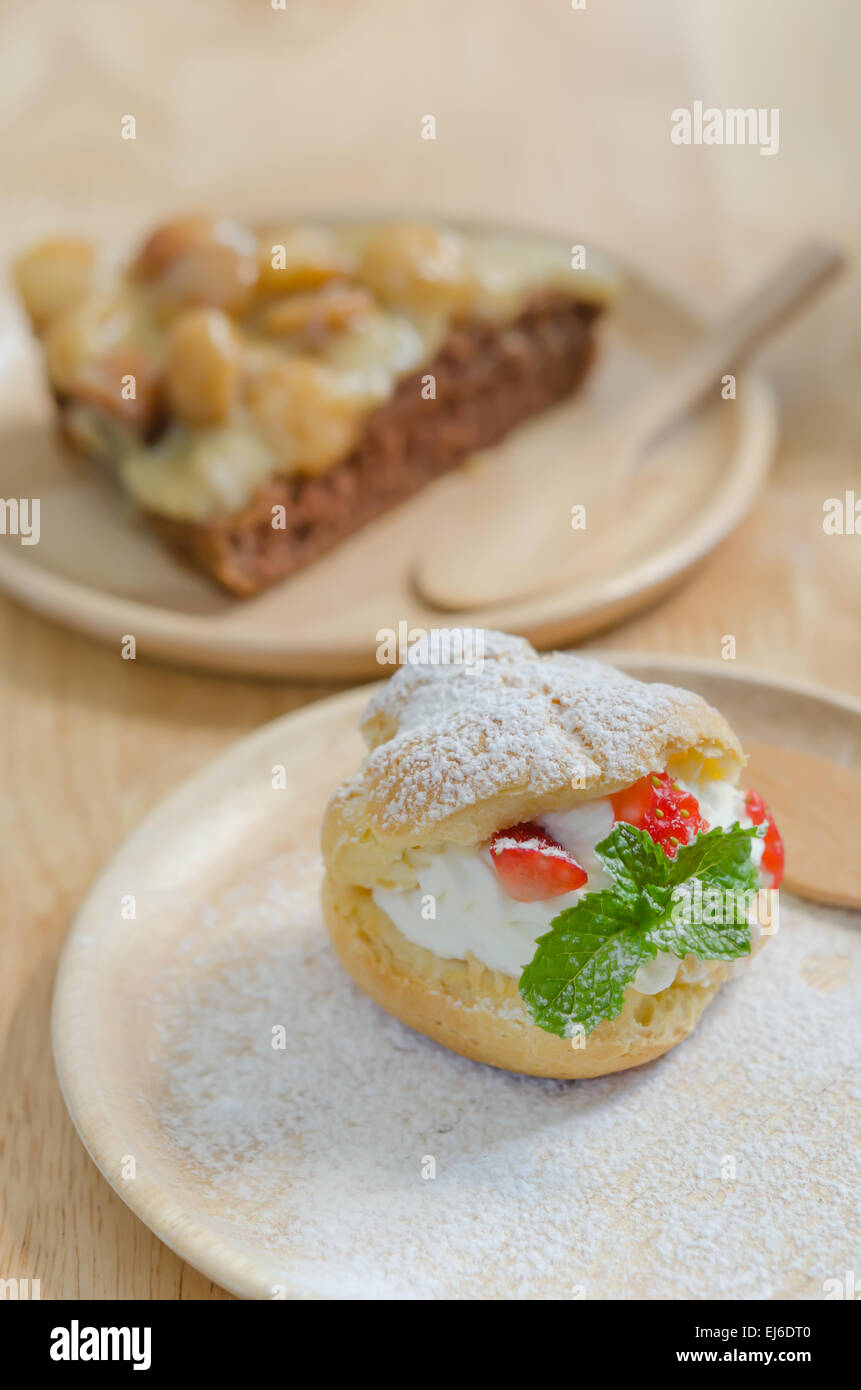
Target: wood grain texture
100	571
524	550
817	804
253	1170
559	116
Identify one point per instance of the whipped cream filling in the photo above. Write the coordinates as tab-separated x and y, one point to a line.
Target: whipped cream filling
459	906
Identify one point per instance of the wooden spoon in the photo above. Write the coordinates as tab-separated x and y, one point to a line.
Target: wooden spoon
502	544
817	806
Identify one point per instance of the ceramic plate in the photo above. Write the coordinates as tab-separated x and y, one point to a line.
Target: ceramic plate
290	1139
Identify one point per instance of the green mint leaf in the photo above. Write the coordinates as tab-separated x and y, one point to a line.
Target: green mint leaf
719	856
583	965
639	868
693	904
714	880
707	921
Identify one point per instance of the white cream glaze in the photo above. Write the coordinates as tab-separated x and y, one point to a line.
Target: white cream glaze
723	804
507	267
195	473
189	474
472	913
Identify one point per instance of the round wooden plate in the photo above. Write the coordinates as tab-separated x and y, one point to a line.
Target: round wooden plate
98	569
289	1139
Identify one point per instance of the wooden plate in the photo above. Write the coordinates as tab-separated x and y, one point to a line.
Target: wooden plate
289	1139
97	569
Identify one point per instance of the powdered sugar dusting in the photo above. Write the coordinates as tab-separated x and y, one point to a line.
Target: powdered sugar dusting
726	1169
447	737
534	844
428	772
425	687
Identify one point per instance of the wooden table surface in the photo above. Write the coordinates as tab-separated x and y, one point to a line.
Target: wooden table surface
553	115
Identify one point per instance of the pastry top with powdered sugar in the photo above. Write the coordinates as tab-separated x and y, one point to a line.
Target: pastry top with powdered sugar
460	748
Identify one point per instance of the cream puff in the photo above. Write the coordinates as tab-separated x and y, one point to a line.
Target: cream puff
543	863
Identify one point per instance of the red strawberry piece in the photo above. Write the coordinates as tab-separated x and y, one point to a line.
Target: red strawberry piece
659	806
773	855
532	865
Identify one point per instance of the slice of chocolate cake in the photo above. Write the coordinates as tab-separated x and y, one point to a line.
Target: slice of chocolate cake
262	396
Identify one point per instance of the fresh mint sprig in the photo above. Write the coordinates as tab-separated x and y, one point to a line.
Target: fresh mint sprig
585	963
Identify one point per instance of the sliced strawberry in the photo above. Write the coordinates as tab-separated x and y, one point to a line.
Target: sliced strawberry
632	803
660	807
773	855
532	865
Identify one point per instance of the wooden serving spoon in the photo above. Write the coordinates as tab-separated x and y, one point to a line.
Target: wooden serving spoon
502	544
816	804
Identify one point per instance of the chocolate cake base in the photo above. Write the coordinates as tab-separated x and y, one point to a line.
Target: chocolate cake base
488	378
